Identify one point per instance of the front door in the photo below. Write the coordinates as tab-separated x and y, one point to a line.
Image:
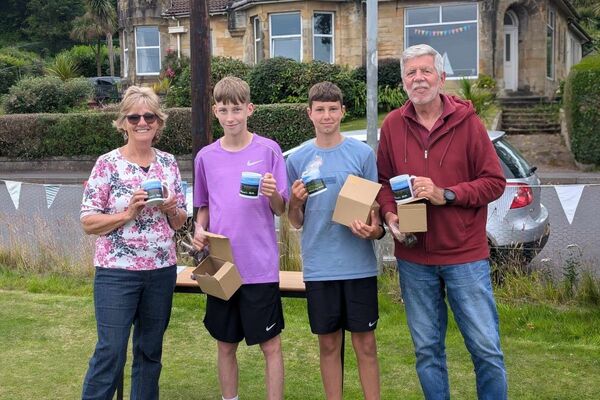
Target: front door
511	51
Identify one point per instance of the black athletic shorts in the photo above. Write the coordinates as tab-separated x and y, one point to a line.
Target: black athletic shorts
254	312
349	304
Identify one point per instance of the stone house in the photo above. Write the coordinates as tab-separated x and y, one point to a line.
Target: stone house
527	46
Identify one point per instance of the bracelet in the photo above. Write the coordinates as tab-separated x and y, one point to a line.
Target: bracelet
382	232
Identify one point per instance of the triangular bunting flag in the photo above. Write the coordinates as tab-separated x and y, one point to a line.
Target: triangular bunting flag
14	189
569	197
51	192
447	66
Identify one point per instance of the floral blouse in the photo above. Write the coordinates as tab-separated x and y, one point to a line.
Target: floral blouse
147	242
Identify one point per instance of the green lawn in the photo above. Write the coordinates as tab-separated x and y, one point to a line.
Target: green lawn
47	333
360	123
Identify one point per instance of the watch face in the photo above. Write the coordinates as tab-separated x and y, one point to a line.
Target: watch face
449	195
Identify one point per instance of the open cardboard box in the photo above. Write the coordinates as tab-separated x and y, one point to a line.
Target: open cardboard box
356	200
412	217
217	275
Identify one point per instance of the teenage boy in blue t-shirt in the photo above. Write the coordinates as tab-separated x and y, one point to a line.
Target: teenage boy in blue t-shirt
339	263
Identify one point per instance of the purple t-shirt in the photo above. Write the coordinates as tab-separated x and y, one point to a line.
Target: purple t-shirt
248	223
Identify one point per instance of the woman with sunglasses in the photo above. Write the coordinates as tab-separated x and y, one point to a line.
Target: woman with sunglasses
135	256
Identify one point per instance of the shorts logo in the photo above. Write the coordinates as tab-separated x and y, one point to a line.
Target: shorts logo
251	163
372	323
270	327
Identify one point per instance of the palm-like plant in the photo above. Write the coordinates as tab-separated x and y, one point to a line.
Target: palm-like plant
100	20
63	67
85	29
104	13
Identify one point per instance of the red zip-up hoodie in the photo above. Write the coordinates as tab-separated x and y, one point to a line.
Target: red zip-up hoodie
458	156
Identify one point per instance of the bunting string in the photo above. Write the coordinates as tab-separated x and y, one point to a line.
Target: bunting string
445	32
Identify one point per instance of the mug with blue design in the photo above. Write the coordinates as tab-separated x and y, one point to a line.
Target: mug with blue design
313	182
250	185
402	188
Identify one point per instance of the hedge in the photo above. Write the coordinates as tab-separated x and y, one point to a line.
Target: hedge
38	136
582	102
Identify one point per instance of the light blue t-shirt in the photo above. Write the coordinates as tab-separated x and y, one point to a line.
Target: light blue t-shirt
329	250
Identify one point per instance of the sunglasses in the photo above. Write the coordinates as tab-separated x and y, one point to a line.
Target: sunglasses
135	118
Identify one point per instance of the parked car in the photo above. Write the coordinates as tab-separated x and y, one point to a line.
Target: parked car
523	231
107	89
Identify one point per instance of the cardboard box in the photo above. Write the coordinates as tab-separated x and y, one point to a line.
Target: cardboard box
412	217
356	200
217	275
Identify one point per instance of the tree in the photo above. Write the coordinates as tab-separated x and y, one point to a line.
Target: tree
100	20
104	13
85	29
49	22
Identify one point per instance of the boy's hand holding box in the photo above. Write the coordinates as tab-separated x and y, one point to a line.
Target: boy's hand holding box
217	275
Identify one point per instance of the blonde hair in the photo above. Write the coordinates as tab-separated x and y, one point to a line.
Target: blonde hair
231	90
134	96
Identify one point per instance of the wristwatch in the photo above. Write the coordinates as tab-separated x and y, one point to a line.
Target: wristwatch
449	196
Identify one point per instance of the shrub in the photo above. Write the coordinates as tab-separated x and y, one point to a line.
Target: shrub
46	94
389	73
287	124
221	67
180	95
35	136
582	102
274	79
63	67
80	134
85	57
391	98
16	64
482	99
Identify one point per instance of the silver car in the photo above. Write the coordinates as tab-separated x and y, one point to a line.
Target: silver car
518	225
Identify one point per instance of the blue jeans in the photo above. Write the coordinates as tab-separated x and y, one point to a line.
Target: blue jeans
124	298
471	299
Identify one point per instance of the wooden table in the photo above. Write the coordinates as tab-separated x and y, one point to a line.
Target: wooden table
290	285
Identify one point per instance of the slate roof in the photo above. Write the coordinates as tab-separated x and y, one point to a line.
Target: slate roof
182	7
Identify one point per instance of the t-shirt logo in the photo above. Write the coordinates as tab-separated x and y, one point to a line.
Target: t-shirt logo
251	163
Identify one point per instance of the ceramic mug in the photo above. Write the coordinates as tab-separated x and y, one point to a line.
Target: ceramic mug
313	182
250	185
154	189
402	188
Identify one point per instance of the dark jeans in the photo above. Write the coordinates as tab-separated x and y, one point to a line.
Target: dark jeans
124	298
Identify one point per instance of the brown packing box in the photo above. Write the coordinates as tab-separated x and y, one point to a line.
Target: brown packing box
412	217
356	200
217	275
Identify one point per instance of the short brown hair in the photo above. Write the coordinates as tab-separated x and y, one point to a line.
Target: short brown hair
325	91
231	90
135	95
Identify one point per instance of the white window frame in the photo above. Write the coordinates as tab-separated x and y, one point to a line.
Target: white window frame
320	35
137	48
551	26
258	39
271	37
441	24
125	55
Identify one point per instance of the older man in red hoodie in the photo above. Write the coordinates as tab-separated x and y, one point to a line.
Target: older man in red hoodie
440	140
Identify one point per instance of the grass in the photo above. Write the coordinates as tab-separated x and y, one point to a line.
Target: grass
48	333
360	123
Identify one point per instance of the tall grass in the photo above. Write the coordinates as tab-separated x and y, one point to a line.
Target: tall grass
290	258
31	246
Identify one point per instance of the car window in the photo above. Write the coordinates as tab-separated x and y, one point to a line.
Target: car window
513	163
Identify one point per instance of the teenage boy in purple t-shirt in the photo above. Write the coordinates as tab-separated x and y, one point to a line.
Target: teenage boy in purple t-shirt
254	312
